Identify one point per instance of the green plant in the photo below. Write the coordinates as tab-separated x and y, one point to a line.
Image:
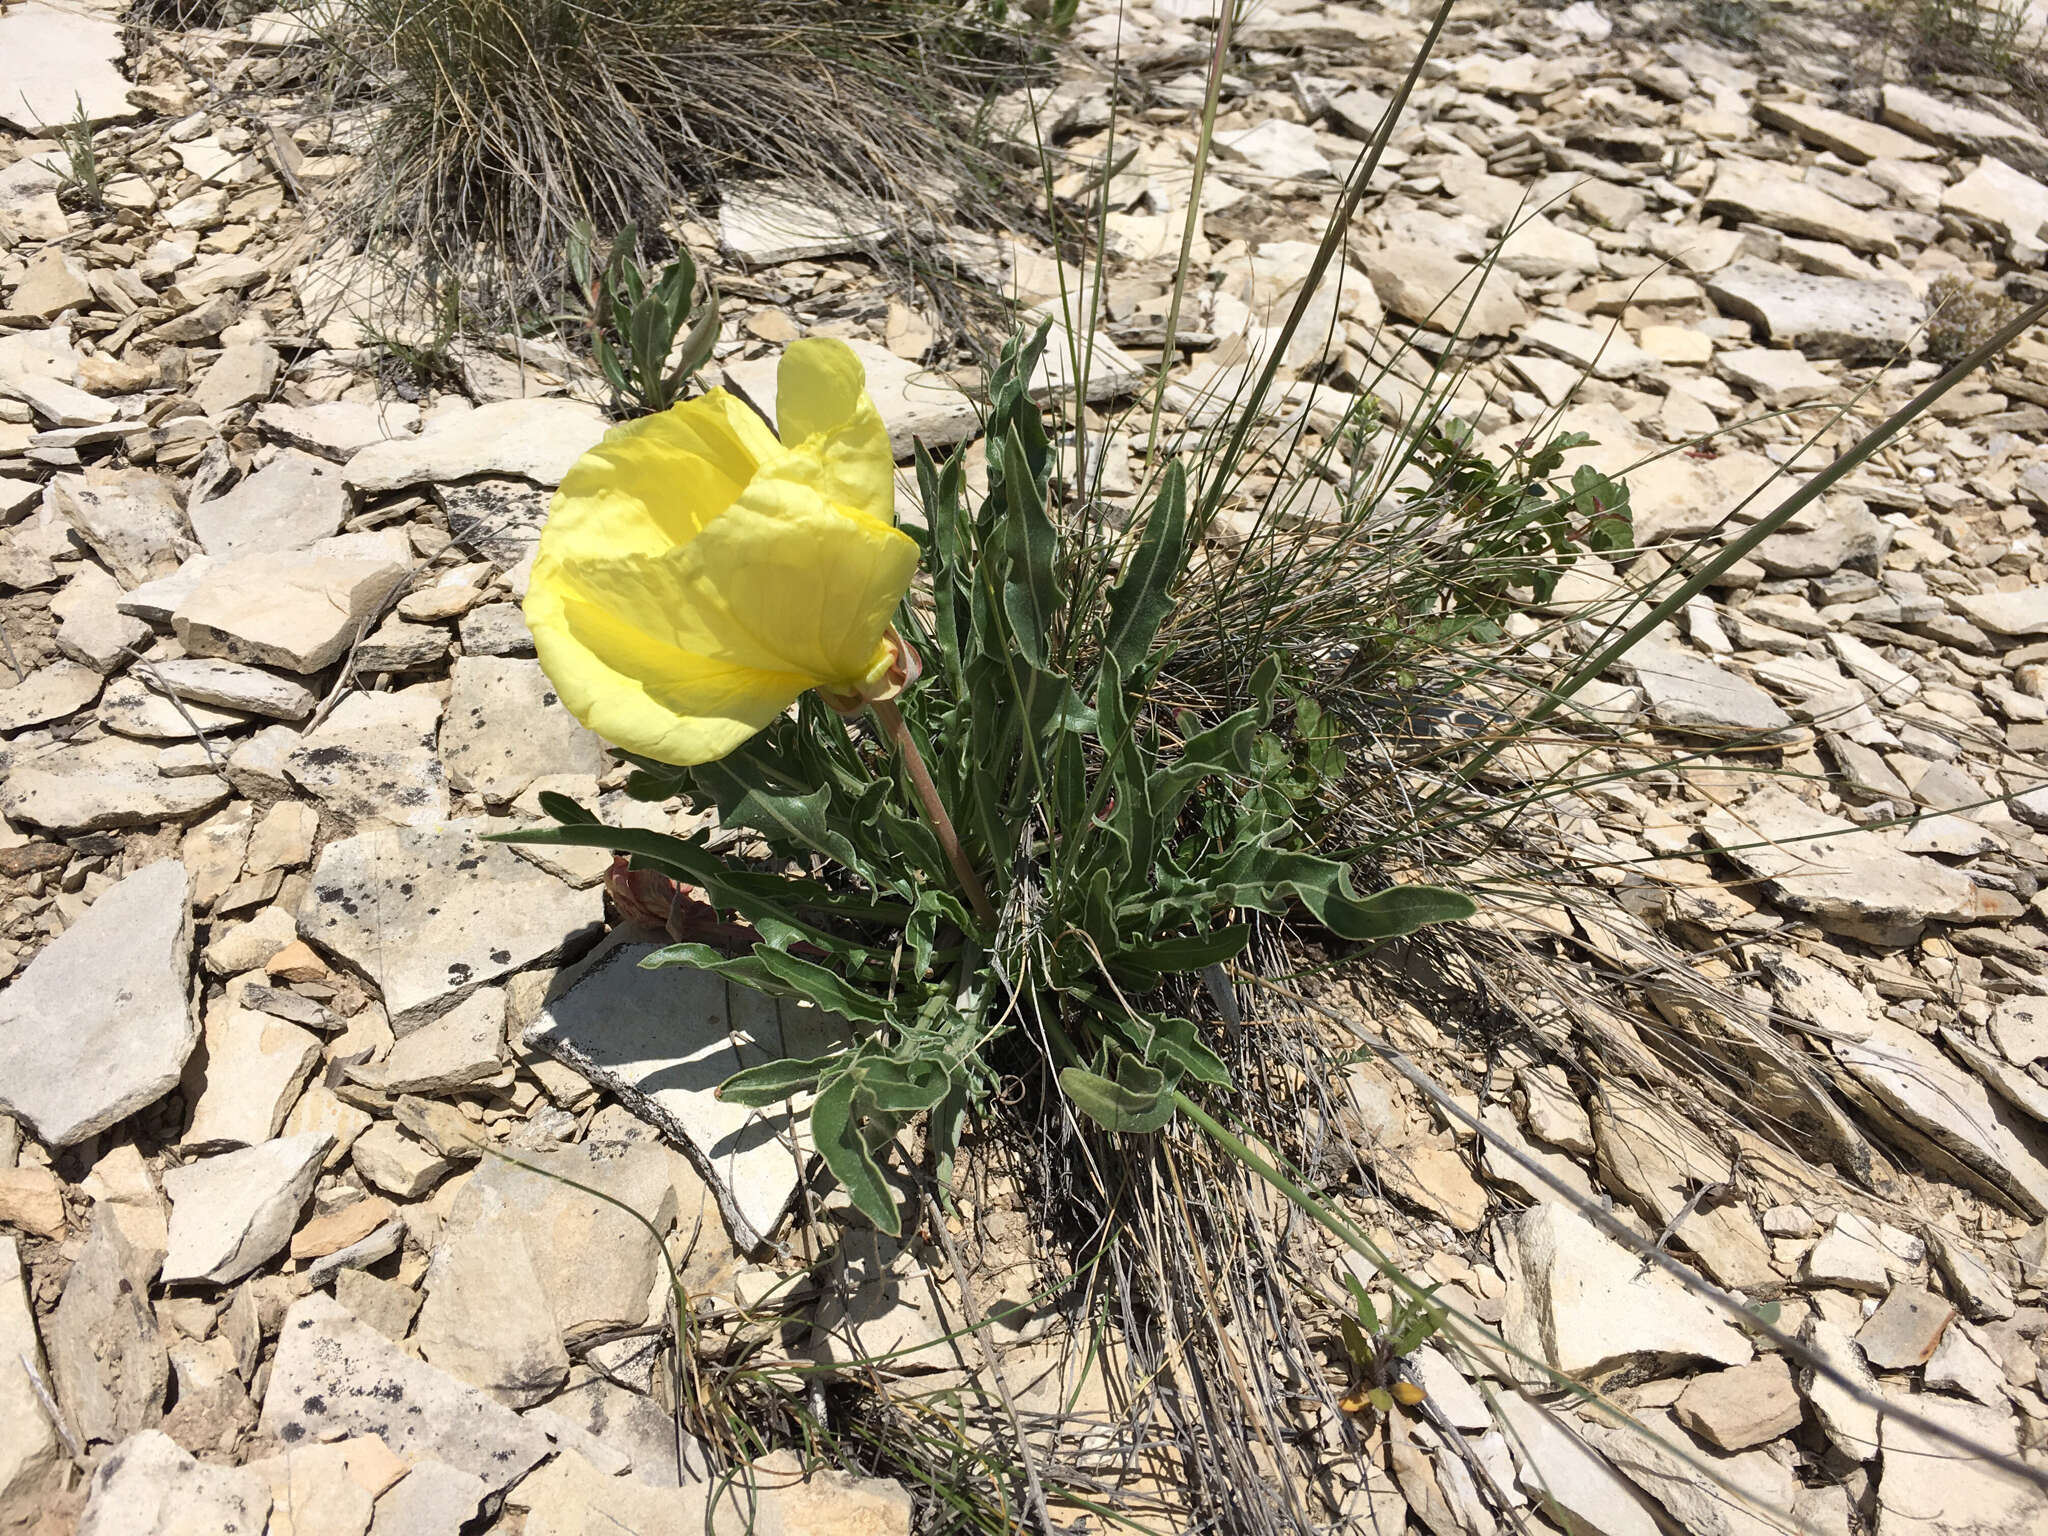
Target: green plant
419	360
82	161
634	322
1375	1353
1127	845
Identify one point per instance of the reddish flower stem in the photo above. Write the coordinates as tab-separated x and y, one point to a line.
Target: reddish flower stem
891	720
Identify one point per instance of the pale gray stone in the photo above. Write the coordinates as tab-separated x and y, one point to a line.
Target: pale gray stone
767	224
155	601
1853	138
1821	316
298	610
255	1068
147	1486
1968	129
663	1041
1429	286
1969	1496
101	785
496	629
536	439
432	913
1902	1333
91	628
1849	880
1669	1473
1558	1470
1586	1305
486	1319
241	375
130	707
505	727
433	1499
232	1213
1778	379
2021	613
338	429
54	59
464	1045
29	1448
230	685
129	518
1687	692
293	501
1767	195
373	759
98	1026
333	1377
1846	536
108	1361
596	1265
54	692
2005	201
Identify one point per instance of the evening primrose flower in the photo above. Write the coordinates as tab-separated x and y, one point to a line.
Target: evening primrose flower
697	573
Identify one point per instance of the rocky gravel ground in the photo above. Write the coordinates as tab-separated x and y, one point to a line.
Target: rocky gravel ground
271	1002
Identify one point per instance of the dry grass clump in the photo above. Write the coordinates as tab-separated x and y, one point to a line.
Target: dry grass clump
1963	314
500	126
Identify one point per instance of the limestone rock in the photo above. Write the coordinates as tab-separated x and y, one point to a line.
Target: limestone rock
663	1041
230	1214
295	609
1848	880
293	501
2024	612
254	1068
130	518
432	913
1670	1477
1743	1407
2014	205
373	759
149	1487
1428	285
1970	1497
505	727
464	1045
535	439
92	629
1853	138
108	1362
334	1376
1556	1468
1984	1135
1764	194
1821	316
1968	129
98	1026
1689	693
1903	1333
230	685
1585	1304
338	429
486	1319
55	692
1848	1420
29	1448
1777	379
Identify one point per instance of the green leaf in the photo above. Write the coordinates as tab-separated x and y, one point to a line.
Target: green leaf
1368	1314
779	974
1031	596
773	1081
837	1131
565	810
1169	956
1139	1101
1142	596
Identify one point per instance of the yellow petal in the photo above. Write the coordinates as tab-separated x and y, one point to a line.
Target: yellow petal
654	483
639	693
823	413
785	580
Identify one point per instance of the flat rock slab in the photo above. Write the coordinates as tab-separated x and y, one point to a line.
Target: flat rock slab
1966	1497
432	913
149	1487
1968	129
663	1041
295	500
1581	1301
535	440
1853	138
232	1213
373	760
99	1025
338	429
29	1449
129	517
335	1377
101	786
1987	1140
1849	880
1821	316
2021	613
53	60
1739	1408
1689	693
505	727
55	692
108	1360
298	610
1767	195
2013	204
230	685
1430	286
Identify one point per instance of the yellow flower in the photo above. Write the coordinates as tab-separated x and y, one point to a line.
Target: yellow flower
696	574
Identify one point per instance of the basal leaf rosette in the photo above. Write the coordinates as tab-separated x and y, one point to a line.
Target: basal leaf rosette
698	572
